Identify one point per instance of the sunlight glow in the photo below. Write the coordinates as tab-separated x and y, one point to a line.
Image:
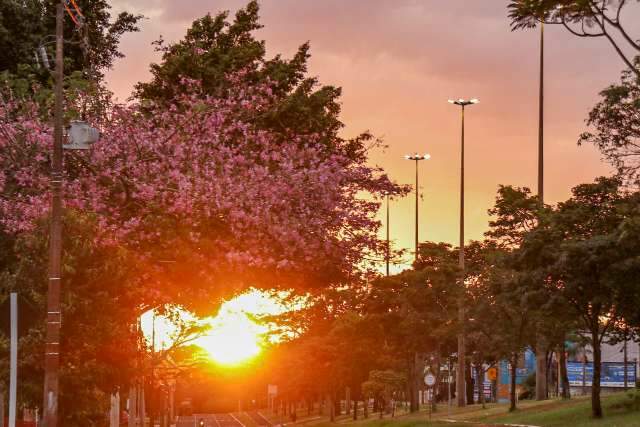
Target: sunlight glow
234	336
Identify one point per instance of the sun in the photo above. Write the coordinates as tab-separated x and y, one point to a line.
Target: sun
233	337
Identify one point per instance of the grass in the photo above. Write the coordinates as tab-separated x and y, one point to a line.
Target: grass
551	413
575	413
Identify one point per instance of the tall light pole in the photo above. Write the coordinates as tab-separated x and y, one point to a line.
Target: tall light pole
541	122
541	350
460	377
388	248
417	158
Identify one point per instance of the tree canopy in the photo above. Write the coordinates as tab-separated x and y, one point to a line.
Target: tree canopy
616	125
582	18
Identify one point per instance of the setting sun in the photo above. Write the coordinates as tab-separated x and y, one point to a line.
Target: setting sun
232	337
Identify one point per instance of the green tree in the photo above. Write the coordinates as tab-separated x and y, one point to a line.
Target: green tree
100	304
215	48
576	256
582	18
501	322
26	25
517	213
616	123
416	311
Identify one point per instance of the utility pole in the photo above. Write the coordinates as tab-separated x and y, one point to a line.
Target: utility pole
461	396
52	340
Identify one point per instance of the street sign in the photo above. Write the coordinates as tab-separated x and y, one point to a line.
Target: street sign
492	373
272	390
430	379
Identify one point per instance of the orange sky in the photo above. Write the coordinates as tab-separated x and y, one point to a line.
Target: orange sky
398	61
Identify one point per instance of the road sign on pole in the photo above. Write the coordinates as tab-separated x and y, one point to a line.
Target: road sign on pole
430	380
13	376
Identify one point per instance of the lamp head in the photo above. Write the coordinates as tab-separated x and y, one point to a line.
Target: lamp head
463	102
417	156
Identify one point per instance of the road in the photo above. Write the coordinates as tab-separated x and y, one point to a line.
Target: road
258	418
210	420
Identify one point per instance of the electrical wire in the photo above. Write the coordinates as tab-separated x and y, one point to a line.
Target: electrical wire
77	20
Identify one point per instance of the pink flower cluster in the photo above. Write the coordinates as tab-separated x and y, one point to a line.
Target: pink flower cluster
199	174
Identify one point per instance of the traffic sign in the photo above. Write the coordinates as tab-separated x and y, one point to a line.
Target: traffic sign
492	373
430	379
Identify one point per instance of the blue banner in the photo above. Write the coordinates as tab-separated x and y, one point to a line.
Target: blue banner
611	375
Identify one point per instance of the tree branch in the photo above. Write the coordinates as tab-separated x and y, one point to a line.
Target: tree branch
616	23
616	47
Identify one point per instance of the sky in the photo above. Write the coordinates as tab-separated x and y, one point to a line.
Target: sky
398	61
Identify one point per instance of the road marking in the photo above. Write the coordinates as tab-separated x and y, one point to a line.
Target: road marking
264	418
234	417
476	422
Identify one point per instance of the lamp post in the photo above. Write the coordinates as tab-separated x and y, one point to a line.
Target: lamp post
417	157
541	351
541	122
388	248
460	372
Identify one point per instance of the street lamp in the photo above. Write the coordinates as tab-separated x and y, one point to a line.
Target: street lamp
417	157
388	248
460	377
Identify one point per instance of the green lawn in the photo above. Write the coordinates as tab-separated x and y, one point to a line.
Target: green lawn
552	413
576	413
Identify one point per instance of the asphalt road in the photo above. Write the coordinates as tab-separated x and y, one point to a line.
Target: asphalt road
258	418
210	420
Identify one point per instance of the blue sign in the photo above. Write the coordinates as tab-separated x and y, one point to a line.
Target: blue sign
611	374
505	373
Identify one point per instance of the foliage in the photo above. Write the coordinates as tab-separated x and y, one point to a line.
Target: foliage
99	302
196	184
582	18
215	49
383	384
577	257
616	122
26	25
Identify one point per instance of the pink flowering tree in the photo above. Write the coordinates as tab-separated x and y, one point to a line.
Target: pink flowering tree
208	203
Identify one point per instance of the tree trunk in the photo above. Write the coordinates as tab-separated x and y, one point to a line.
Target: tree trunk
413	389
625	359
133	406
469	381
331	408
564	376
1	409
596	406
355	410
337	404
541	369
512	390
480	384
549	370
436	389
347	393
366	407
